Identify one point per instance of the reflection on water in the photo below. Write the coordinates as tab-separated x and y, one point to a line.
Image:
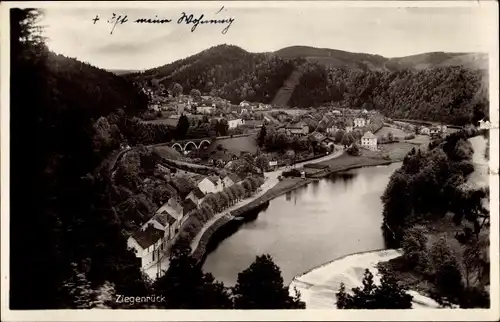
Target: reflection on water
324	220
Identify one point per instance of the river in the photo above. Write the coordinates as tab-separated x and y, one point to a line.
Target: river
328	219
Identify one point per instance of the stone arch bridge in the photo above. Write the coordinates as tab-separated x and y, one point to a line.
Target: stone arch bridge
193	144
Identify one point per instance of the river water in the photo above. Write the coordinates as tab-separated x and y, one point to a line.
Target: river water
307	227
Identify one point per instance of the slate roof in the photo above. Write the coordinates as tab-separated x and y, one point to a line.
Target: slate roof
369	135
160	218
171	219
214	179
148	236
187	206
198	193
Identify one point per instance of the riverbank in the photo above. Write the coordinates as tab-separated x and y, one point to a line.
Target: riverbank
318	286
345	163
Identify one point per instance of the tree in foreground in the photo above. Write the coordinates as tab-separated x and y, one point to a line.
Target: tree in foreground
185	286
261	287
387	295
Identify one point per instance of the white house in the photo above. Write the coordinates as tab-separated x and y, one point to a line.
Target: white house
205	109
244	104
234	123
425	131
196	195
359	122
332	129
369	141
212	184
173	208
147	245
229	180
484	125
243	111
348	129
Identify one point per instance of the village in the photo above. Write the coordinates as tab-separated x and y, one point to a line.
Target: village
258	146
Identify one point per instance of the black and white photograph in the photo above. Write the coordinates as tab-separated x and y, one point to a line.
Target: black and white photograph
314	158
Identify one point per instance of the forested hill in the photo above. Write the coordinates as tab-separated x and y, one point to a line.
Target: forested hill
226	71
83	88
436	86
333	58
65	238
447	94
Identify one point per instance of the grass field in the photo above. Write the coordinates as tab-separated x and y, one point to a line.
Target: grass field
395	151
389	129
423	140
240	144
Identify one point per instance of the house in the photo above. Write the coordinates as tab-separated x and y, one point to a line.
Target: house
243	111
196	195
188	205
173	208
176	206
425	130
349	126
254	123
147	245
210	185
217	181
234	123
244	104
299	128
369	141
484	124
205	109
273	164
321	139
359	122
332	129
229	180
336	112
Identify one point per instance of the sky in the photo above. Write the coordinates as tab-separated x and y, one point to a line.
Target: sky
386	31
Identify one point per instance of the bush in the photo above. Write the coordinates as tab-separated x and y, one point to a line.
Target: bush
354	150
414	247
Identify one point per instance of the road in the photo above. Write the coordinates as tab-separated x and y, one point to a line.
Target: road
271	181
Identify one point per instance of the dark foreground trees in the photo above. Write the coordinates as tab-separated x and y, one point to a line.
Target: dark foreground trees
186	286
387	295
261	287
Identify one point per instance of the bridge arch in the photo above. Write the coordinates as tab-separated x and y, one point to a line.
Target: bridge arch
204	141
179	146
192	143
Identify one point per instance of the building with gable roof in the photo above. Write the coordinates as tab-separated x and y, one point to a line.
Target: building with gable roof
369	141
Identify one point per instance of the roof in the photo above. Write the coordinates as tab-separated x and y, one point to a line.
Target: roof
318	137
148	236
198	193
171	219
214	179
369	135
188	205
161	218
